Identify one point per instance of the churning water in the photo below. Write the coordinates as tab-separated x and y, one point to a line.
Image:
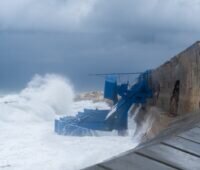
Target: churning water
27	138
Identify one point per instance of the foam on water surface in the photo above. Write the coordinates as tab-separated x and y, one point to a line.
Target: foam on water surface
27	138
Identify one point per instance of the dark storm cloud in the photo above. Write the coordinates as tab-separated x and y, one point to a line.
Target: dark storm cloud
77	37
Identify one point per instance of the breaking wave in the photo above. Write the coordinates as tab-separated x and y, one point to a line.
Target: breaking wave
42	99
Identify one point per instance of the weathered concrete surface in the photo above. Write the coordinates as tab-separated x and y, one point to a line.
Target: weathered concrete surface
184	67
176	148
176	86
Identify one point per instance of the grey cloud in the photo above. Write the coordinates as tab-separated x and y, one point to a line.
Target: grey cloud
78	37
43	14
101	15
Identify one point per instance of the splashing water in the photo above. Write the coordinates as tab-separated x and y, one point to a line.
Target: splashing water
40	100
28	141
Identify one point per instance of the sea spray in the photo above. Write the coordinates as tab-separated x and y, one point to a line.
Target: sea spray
43	98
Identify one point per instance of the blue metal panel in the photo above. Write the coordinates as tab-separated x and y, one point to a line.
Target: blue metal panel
122	89
110	89
89	119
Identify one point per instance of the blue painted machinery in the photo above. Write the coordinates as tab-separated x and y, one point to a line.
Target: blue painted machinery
87	122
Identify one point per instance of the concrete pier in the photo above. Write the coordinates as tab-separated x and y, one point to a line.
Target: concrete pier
175	148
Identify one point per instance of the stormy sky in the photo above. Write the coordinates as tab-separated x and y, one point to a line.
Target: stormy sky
77	37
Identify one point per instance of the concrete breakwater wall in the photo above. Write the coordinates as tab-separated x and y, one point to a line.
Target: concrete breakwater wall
176	91
177	82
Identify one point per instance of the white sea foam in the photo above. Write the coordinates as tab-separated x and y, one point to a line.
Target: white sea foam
27	138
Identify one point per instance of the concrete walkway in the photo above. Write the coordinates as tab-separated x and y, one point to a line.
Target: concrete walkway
176	148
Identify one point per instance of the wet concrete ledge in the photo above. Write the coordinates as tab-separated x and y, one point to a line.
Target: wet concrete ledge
175	148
